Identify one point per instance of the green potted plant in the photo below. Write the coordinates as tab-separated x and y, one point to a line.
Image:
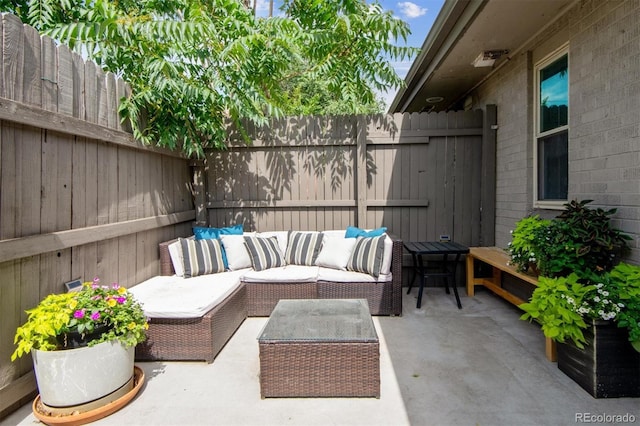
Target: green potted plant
580	240
553	304
626	279
67	333
595	321
526	241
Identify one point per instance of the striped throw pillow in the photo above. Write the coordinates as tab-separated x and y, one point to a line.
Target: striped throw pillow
367	255
303	247
264	252
201	257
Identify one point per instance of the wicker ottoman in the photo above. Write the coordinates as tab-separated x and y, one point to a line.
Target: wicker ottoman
320	348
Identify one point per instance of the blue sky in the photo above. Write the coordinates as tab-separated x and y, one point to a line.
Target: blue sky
419	14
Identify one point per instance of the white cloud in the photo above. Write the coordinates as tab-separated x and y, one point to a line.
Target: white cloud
262	8
411	10
262	5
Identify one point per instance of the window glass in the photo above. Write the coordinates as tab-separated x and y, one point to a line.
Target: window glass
553	171
554	95
552	129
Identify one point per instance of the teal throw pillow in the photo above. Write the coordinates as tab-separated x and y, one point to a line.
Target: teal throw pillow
203	233
355	232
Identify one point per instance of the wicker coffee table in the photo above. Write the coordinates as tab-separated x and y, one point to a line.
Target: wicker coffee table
320	348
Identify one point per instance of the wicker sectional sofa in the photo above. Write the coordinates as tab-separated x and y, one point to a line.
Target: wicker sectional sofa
177	333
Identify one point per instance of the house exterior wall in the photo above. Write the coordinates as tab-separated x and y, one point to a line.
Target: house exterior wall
604	116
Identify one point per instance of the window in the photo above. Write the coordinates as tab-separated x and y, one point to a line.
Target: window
552	130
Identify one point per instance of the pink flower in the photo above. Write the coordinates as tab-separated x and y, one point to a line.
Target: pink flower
95	316
79	313
121	300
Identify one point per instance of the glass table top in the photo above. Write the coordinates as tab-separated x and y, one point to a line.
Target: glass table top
320	320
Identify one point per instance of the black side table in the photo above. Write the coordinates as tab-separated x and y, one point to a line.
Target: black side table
445	268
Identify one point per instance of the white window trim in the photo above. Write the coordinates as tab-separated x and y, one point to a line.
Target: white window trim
547	60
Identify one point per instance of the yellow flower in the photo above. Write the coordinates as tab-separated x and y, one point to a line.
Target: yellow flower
111	303
131	325
122	290
73	303
146	326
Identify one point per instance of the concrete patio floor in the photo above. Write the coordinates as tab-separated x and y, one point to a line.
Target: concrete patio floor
439	366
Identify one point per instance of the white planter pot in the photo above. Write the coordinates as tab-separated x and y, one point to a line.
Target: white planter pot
77	376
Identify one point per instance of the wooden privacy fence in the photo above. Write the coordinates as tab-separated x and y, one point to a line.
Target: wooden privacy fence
420	175
78	197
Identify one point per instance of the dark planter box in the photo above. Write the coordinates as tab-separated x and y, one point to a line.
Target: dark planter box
608	366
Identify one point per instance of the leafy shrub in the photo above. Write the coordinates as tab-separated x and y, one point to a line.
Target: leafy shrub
527	238
562	304
83	312
553	305
581	240
626	279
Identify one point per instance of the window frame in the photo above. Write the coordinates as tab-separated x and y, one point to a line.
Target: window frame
537	135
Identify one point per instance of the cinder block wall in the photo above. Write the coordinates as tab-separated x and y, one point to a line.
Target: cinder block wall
604	140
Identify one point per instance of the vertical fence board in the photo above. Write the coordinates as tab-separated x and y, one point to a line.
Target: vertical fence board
12	57
49	66
9	294
112	98
91	90
28	186
122	91
2	70
77	67
7	178
49	266
101	98
65	81
32	79
28	182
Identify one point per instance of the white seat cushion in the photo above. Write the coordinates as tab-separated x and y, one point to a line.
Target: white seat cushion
287	274
178	297
336	275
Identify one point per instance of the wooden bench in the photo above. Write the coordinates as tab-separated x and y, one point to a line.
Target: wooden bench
498	259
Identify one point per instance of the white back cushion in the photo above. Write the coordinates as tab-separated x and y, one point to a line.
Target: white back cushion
237	253
335	252
175	252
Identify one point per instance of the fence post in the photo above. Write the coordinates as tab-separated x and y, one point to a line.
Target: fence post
361	171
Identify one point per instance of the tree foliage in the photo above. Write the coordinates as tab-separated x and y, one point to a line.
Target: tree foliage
195	65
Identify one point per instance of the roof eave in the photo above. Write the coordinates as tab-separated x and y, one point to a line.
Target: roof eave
453	19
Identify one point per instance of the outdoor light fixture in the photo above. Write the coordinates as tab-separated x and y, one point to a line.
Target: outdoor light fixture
488	58
434	99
